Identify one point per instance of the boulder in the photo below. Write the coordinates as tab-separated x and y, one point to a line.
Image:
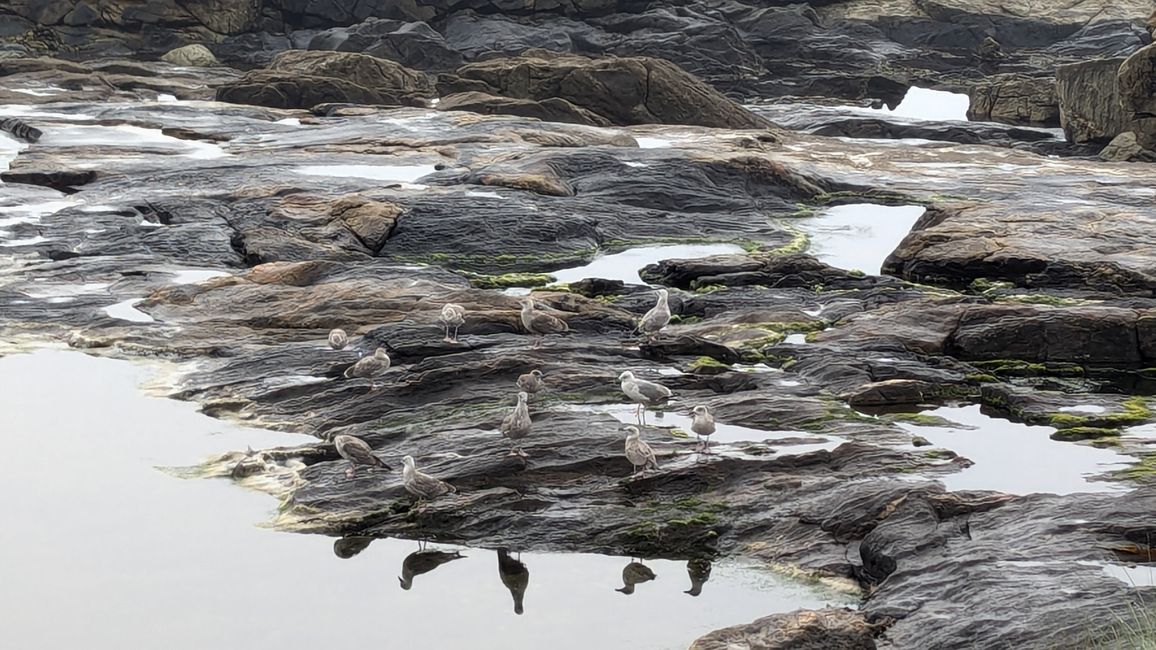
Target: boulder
413	44
195	55
824	629
1136	88
1015	99
552	109
1126	148
1090	110
302	79
634	90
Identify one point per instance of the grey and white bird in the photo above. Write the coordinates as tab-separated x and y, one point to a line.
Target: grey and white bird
516	425
540	323
531	382
422	485
644	393
357	452
702	424
370	367
657	318
635	573
423	561
515	576
452	316
338	339
638	452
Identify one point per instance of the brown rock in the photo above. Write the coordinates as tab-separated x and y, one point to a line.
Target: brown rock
1090	110
1126	148
195	55
552	109
372	221
825	629
1136	87
889	392
635	90
1015	99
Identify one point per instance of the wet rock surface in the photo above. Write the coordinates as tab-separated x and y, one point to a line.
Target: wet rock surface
1027	286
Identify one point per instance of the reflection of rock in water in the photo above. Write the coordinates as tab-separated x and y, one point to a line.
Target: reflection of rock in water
420	562
699	572
635	573
515	576
347	547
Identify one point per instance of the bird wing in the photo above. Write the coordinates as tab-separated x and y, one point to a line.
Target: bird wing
547	324
652	391
359	451
654	320
429	486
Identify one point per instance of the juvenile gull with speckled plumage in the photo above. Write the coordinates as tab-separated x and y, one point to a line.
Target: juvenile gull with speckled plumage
540	323
531	382
517	424
638	452
452	316
357	452
657	318
422	485
338	339
370	367
702	424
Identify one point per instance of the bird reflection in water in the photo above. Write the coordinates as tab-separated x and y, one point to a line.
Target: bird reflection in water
699	572
515	576
423	561
347	547
635	573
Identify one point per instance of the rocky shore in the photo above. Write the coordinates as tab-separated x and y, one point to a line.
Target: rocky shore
297	167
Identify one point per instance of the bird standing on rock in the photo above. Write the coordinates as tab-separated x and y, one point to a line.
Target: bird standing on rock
638	452
517	424
452	316
420	562
657	318
515	576
540	323
338	339
370	367
357	452
531	382
422	485
702	424
644	393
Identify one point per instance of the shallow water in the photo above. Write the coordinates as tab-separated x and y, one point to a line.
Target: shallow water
129	554
626	265
926	104
859	236
126	310
397	173
75	135
1018	458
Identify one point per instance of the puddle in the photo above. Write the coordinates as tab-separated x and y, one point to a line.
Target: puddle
9	147
185	556
1018	458
485	193
46	92
1140	575
1082	408
66	290
166	98
860	235
31	241
925	104
123	135
677	419
796	339
126	310
625	266
517	291
653	143
11	215
398	173
289	121
195	276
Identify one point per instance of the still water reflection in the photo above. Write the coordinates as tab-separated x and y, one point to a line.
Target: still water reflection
104	549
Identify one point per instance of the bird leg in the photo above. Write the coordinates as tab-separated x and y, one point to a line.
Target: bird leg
456	327
446	338
537	342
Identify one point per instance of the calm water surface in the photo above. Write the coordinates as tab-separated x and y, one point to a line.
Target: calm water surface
104	549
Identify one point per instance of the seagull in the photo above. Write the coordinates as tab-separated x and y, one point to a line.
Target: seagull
531	382
338	339
420	562
702	425
638	452
540	323
699	571
452	316
633	574
517	425
644	393
515	576
657	318
422	485
357	452
369	367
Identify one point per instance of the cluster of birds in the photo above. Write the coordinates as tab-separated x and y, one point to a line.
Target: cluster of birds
517	425
512	571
